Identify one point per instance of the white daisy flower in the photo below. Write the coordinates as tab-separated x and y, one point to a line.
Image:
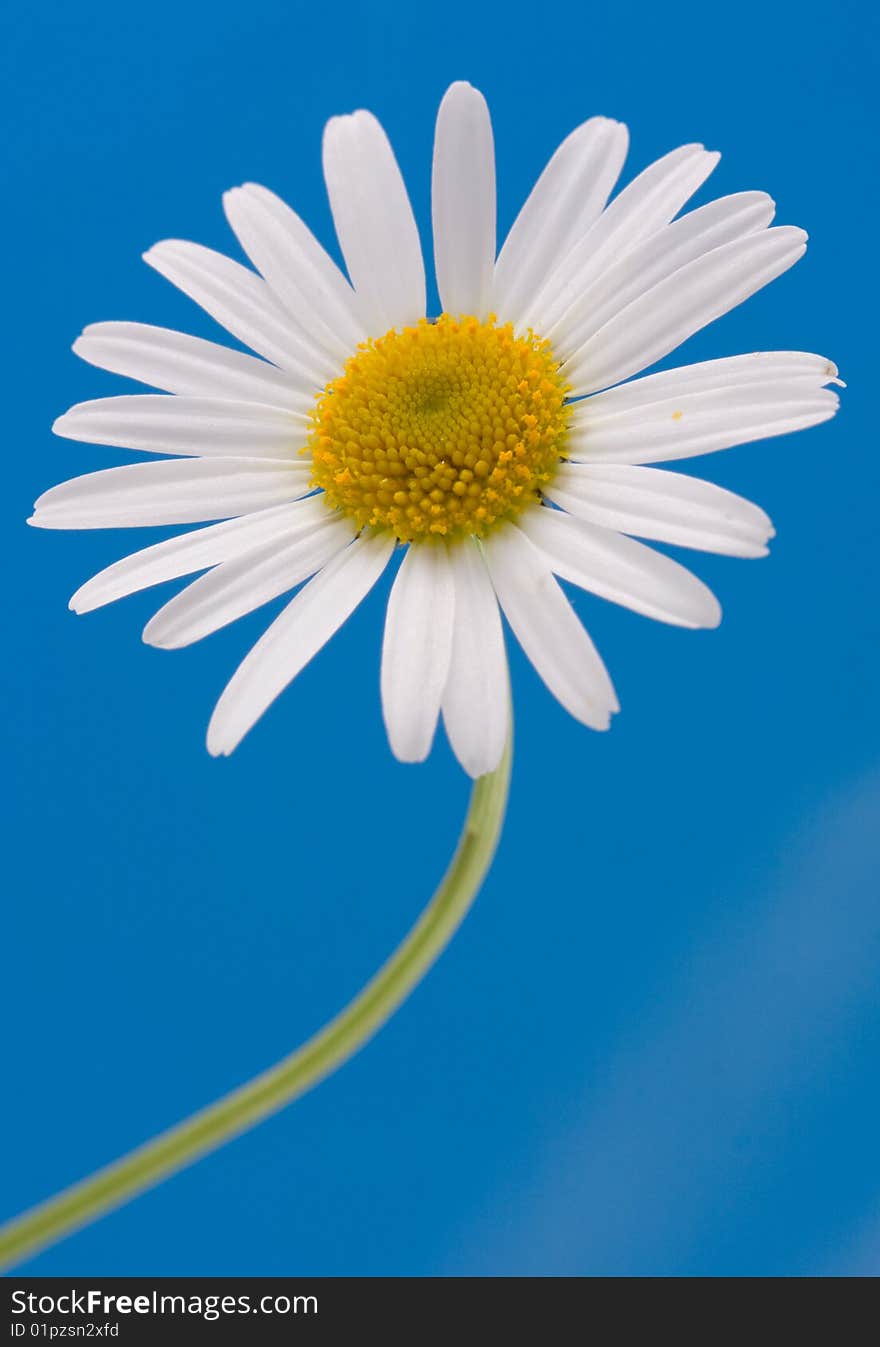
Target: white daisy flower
498	444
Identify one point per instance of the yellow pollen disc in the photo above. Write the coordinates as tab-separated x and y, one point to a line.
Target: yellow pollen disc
445	428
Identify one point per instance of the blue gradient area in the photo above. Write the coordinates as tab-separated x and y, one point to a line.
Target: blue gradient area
653	1047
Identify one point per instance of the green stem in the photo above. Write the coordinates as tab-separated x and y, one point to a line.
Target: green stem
280	1085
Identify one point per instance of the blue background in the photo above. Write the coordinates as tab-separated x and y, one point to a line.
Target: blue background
653	1047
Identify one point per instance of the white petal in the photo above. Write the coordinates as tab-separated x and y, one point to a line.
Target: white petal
416	650
565	201
305	279
645	205
172	491
657	257
204	547
245	306
700	422
477	694
244	583
621	570
665	506
178	363
790	367
374	221
463	202
305	625
159	424
548	629
655	323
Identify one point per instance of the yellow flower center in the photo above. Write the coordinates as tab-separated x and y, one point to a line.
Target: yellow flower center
445	428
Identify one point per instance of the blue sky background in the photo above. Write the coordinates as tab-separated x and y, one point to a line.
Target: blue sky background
653	1047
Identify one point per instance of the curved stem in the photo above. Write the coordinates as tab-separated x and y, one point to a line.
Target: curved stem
281	1084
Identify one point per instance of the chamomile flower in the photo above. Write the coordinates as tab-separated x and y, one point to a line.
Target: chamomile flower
502	445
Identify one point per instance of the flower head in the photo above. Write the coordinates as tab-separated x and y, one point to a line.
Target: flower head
499	444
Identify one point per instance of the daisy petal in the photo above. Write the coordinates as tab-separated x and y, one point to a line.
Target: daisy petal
374	221
305	625
463	202
196	551
477	693
173	491
699	422
646	204
243	303
794	368
178	363
655	323
158	424
621	569
240	585
304	277
567	198
548	629
416	650
665	252
664	506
